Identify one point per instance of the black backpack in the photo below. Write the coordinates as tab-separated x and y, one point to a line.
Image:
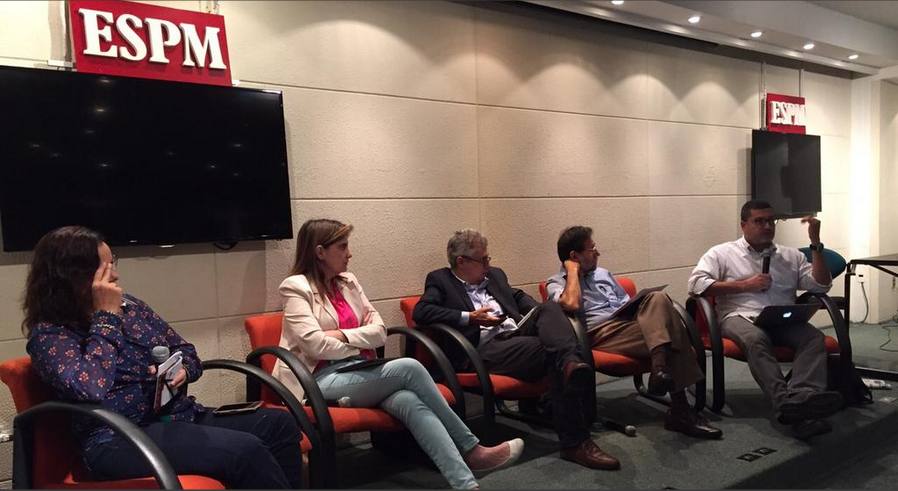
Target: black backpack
843	377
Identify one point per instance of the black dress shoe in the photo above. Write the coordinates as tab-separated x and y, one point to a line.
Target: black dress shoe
818	405
691	423
590	455
660	381
808	428
578	373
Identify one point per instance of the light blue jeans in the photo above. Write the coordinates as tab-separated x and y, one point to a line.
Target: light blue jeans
404	389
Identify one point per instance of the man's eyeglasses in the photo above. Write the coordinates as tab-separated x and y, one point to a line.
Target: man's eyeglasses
114	261
765	221
485	260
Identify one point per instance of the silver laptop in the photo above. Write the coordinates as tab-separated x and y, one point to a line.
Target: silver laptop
774	316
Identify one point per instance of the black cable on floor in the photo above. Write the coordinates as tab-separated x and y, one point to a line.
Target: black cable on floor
866	304
887	329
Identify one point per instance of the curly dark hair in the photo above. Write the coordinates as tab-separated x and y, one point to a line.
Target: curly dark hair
58	288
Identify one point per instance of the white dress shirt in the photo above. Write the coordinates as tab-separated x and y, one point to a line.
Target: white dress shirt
480	297
737	260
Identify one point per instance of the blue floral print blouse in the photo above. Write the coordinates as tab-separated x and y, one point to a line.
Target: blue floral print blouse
110	365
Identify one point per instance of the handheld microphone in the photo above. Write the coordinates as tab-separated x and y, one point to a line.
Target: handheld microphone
765	254
628	430
160	354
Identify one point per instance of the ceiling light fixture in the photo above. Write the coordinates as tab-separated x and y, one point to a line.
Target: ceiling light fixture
809	46
756	34
694	19
852	57
617	2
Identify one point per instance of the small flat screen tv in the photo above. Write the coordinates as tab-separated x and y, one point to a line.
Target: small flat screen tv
785	172
141	161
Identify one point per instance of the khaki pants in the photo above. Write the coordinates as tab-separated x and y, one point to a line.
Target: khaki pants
656	322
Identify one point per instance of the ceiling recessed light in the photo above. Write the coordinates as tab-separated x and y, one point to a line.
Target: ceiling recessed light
756	34
694	19
852	57
617	2
809	46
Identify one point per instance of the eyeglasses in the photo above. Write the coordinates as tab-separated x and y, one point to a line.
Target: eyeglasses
114	261
485	260
765	221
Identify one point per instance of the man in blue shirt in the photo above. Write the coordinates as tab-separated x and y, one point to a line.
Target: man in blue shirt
652	329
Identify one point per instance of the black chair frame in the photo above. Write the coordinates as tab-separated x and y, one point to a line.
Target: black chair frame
23	441
694	303
315	399
256	375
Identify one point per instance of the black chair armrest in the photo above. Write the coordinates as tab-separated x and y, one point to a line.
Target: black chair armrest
694	337
840	325
578	323
253	372
440	360
314	397
696	303
290	401
700	356
23	446
483	376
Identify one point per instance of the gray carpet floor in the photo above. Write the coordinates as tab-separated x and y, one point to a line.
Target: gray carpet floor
755	452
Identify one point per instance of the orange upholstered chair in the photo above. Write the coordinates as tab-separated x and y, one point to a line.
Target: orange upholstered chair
495	389
624	366
702	310
46	454
265	334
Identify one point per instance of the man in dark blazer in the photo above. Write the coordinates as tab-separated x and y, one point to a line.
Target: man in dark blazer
477	300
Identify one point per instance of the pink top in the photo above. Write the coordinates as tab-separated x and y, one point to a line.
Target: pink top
347	318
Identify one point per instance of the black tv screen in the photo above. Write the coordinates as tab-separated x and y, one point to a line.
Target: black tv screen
142	161
785	172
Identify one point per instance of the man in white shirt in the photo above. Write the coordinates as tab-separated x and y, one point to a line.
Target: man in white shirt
733	274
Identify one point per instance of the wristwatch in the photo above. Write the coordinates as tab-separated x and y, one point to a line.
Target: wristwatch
818	247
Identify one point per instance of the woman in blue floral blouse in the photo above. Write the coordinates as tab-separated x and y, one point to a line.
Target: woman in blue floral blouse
93	344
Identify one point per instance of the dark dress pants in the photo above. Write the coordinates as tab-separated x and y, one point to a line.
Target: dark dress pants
258	450
541	348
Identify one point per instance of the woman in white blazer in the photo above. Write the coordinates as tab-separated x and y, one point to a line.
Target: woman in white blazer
329	323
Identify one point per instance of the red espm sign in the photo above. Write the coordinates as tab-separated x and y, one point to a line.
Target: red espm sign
147	41
786	114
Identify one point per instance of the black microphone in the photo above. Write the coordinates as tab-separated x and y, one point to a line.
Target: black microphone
765	254
611	424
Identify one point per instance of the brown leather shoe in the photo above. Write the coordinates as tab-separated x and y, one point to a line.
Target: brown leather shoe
577	373
589	454
660	381
691	423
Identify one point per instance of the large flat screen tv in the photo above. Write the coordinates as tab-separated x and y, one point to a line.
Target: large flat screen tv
785	172
142	161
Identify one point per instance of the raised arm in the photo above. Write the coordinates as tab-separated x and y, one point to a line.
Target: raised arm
570	296
78	368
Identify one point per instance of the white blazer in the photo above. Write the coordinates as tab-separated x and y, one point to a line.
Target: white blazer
306	317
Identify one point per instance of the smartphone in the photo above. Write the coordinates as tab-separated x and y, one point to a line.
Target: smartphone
239	408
